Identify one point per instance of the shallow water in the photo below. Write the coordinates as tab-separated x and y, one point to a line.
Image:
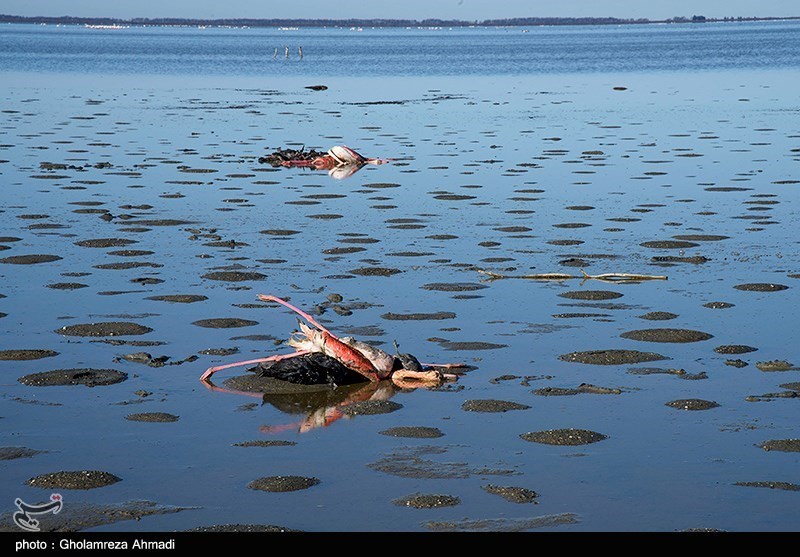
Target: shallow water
514	174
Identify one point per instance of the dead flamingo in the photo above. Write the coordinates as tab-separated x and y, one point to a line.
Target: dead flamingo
340	161
372	363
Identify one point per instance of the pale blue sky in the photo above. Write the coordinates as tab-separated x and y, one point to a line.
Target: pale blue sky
401	9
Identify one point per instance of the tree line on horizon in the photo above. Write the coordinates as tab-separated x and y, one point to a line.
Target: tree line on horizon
352	22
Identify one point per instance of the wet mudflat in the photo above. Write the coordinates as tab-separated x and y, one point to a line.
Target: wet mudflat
138	226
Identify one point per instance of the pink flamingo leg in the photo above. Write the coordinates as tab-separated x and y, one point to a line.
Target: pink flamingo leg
297	310
212	370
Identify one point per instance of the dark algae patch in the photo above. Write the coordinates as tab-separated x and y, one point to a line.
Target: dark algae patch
77	376
611	357
163	417
107	329
567	436
265	443
492	406
280	484
453	286
179	298
692	404
234	276
667	335
81	479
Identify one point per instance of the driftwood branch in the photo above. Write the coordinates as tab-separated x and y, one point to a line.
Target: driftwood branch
607	277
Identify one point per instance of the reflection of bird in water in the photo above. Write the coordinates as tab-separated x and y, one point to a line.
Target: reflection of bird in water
287	52
300	52
275	55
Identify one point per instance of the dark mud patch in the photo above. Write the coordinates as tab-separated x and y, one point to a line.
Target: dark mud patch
718	305
611	357
761	287
75	517
784	486
26	354
669	244
569	436
682	373
160	417
105	243
410	462
490	405
241	528
265	443
421	501
268	385
106	329
580	389
178	298
81	479
29	259
467	345
668	259
785	445
439	315
371	407
282	484
67	285
701	237
413	431
234	276
453	286
375	271
667	335
658	316
775	365
513	494
692	404
591	295
734	349
503	524
77	376
12	453
225	323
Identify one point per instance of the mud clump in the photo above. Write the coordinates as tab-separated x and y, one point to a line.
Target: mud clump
162	417
513	494
419	316
570	437
611	357
280	484
83	479
492	406
234	276
26	354
786	445
107	329
591	295
225	323
415	431
692	404
667	335
734	349
427	501
178	298
11	453
774	365
76	376
370	407
29	259
761	287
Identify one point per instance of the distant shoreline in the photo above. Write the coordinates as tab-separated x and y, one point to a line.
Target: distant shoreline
252	22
